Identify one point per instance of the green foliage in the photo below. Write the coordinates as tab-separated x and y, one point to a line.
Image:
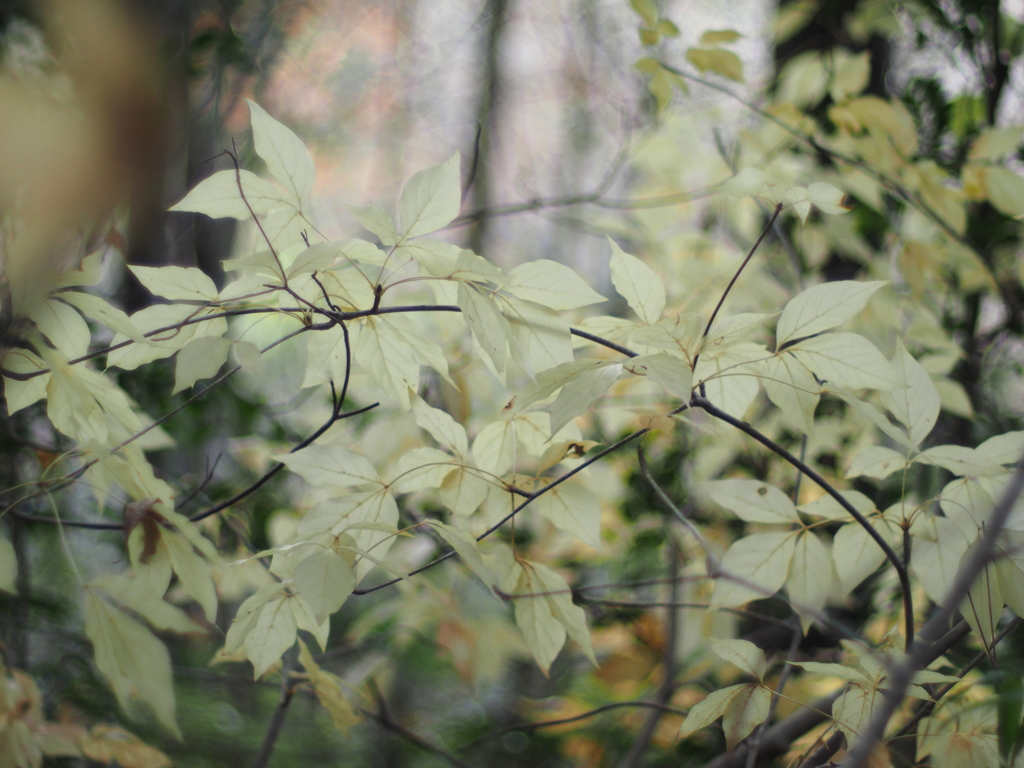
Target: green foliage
445	409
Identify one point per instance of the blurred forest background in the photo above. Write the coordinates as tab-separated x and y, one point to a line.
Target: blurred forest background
562	140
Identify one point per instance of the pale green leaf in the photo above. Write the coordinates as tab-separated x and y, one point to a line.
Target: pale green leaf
378	221
370	518
63	326
571	616
1007	448
747	183
1011	583
136	595
176	283
827	507
856	555
792	388
384	351
430	199
8	567
489	326
541	335
914	400
876	461
422	468
286	156
748	709
330	465
718	60
248	357
752	500
102	312
132	659
467	548
217	196
544	634
938	546
494	447
273	633
201	358
21	394
960	460
643	290
581	392
463	491
966	496
822	307
852	711
573	508
731	375
442	427
754	567
845	360
732	329
325	580
1005	190
305	620
551	380
983	606
996	143
810	578
929	676
554	285
716	36
706	711
192	571
742	653
88	272
667	370
827	198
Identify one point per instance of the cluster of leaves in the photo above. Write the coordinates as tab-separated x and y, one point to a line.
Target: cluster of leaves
499	406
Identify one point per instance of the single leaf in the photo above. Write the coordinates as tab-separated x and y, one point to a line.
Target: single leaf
573	508
810	578
325	580
718	60
218	197
331	465
442	427
430	199
467	548
833	670
132	659
876	461
748	709
581	392
852	710
484	318
571	616
63	326
8	567
201	358
176	283
742	653
706	711
960	460
845	360
378	221
544	633
856	555
752	500
667	370
823	307
792	388
716	36
286	156
273	633
192	571
754	567
643	290
554	285
914	401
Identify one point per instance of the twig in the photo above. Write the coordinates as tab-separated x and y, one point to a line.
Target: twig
277	719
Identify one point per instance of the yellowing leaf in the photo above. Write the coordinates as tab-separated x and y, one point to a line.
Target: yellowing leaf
752	500
643	290
430	199
718	60
822	307
286	156
329	692
852	711
217	196
743	706
109	744
132	659
554	285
